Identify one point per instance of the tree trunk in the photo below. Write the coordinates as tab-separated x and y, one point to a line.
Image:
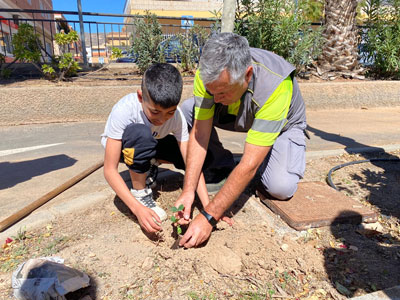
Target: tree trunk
340	55
228	16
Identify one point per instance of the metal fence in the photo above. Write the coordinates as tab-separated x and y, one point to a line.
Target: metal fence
100	37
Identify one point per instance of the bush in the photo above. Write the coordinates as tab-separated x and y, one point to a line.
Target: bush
280	27
146	41
381	38
28	48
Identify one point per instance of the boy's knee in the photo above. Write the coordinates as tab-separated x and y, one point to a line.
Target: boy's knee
282	189
138	147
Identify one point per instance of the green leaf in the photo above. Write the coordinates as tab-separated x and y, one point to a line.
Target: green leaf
178	230
181	207
174	209
173	219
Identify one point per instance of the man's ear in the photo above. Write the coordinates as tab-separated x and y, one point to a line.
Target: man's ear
249	73
140	95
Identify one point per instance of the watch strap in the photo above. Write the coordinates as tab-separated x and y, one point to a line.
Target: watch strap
209	218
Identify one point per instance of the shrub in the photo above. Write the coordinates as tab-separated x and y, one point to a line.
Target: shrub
277	26
381	38
147	37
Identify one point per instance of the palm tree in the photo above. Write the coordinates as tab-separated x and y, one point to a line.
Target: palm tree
339	54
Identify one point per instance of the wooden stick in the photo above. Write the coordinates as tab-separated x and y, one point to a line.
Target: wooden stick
50	195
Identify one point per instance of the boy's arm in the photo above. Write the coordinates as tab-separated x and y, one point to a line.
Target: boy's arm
145	215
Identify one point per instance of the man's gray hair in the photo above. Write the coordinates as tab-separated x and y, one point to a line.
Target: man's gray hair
225	51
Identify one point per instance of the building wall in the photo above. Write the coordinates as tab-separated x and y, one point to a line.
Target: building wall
11	27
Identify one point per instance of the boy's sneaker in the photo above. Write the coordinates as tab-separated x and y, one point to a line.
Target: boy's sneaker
145	197
152	175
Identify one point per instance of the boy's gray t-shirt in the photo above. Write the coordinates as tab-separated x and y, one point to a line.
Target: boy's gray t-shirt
129	110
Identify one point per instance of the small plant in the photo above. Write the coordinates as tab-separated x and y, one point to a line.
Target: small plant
175	220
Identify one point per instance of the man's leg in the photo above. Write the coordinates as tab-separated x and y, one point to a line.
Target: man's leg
285	164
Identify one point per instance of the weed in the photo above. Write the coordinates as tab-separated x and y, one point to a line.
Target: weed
21	234
54	246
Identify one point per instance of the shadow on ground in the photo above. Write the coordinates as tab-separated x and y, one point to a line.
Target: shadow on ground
368	262
13	173
373	265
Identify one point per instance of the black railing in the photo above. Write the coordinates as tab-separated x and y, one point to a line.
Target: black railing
100	37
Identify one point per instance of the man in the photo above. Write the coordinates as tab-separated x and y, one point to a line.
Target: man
247	90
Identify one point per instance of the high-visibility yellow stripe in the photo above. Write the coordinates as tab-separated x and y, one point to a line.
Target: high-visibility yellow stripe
203	114
271	118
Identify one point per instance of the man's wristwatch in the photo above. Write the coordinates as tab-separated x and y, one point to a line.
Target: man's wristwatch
209	218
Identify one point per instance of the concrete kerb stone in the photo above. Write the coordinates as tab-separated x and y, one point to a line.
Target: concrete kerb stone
41	217
47	104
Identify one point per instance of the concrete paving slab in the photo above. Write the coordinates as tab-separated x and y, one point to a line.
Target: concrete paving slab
315	205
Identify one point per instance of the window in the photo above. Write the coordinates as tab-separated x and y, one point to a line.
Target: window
29	2
5	43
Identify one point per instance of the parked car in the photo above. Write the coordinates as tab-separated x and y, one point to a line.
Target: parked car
129	57
172	47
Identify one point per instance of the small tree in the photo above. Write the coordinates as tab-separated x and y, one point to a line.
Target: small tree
147	37
28	48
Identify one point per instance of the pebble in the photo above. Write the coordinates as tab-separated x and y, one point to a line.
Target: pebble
284	247
147	263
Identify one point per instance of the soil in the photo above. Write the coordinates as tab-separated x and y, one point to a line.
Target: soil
111	76
253	259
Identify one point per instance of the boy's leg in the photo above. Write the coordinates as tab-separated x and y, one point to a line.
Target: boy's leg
138	148
218	158
284	166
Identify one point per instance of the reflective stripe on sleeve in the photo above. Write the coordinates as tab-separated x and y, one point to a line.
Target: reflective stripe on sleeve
268	126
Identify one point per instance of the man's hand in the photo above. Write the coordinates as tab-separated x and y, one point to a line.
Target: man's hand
187	200
148	219
197	233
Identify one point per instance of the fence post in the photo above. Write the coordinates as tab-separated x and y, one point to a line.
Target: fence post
85	62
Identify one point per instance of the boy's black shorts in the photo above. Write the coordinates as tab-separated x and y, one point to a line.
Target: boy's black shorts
139	147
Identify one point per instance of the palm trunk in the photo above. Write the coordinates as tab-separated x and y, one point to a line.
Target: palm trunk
340	55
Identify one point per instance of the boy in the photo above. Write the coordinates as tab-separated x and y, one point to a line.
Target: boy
138	131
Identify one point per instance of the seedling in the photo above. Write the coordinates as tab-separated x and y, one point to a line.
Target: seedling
175	219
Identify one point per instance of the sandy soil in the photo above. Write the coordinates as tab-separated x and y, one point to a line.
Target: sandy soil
259	257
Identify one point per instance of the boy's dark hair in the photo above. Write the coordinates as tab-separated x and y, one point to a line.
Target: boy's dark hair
163	83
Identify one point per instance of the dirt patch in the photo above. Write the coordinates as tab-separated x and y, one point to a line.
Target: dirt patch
254	259
117	76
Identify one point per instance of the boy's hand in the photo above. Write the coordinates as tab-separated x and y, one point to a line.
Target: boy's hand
148	220
187	200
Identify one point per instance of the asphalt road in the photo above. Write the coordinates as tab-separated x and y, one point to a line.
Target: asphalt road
35	159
